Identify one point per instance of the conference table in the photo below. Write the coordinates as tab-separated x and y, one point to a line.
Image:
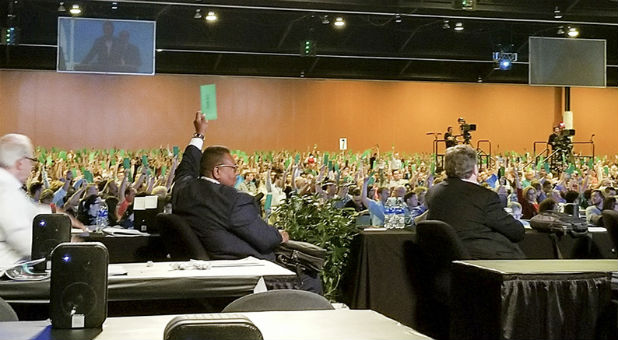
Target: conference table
163	285
341	324
382	273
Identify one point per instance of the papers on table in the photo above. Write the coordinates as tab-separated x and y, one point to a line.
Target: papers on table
117	231
115	270
143	203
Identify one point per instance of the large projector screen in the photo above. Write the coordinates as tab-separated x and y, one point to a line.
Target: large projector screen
567	62
106	46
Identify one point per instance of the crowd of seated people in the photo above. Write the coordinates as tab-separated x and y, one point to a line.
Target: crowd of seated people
363	181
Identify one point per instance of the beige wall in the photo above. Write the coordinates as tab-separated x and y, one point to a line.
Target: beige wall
79	110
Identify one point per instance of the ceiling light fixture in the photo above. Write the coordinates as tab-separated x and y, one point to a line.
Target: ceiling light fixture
573	32
211	16
446	25
398	18
75	10
557	13
560	30
459	26
325	19
339	22
198	14
114	5
61	7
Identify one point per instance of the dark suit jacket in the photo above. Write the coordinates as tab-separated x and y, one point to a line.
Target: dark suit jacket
476	213
225	220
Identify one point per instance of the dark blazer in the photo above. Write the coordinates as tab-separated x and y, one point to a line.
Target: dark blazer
477	216
226	221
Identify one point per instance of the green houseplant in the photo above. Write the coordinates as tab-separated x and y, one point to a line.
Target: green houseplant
308	219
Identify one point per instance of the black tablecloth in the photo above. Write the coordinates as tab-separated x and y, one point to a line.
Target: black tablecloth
382	274
494	303
128	249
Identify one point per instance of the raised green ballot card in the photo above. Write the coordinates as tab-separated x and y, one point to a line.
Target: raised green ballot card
126	163
208	99
176	150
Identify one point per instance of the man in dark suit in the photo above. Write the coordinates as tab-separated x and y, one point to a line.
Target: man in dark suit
475	212
226	221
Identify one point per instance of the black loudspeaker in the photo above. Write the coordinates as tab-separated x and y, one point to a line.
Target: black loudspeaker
48	231
78	292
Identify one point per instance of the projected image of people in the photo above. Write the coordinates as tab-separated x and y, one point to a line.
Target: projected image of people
110	53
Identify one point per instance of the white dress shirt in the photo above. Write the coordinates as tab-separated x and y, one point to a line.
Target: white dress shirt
16	214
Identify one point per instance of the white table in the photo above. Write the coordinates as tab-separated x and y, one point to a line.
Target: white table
298	325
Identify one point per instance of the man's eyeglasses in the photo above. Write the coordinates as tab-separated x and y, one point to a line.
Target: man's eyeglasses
235	167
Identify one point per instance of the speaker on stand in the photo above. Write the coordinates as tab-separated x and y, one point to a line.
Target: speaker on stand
78	292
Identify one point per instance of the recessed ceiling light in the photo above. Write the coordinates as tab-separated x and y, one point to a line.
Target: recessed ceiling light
211	16
573	32
198	14
75	10
459	26
557	13
339	22
61	7
398	18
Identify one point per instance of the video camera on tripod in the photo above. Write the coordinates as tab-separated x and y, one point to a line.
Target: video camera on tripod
465	130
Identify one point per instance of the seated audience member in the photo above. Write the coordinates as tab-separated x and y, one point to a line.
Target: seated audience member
248	185
129	196
17	210
610	203
570	198
226	221
356	202
89	210
376	208
547	204
596	200
34	190
485	229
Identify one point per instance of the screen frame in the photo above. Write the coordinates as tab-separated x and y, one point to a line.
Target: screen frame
604	41
154	47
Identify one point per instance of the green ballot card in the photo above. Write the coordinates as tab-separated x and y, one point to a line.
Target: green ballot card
126	163
145	160
208	99
176	150
268	202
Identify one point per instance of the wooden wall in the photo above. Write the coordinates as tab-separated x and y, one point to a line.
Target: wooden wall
80	110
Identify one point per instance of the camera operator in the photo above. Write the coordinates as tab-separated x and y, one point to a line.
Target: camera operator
554	137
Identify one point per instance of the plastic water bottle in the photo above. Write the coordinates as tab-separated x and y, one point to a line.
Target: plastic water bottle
102	215
389	213
400	212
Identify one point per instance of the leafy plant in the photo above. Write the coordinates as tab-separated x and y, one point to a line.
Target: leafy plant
308	219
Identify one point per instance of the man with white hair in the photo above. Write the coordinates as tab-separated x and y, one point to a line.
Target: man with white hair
476	214
16	209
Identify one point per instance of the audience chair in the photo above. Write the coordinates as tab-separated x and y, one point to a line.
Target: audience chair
279	300
439	246
610	221
6	312
179	240
211	327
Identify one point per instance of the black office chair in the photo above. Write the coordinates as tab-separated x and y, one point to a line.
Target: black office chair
439	246
6	312
279	300
179	240
211	327
610	222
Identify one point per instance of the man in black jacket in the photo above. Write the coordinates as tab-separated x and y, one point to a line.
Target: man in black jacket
475	212
226	221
